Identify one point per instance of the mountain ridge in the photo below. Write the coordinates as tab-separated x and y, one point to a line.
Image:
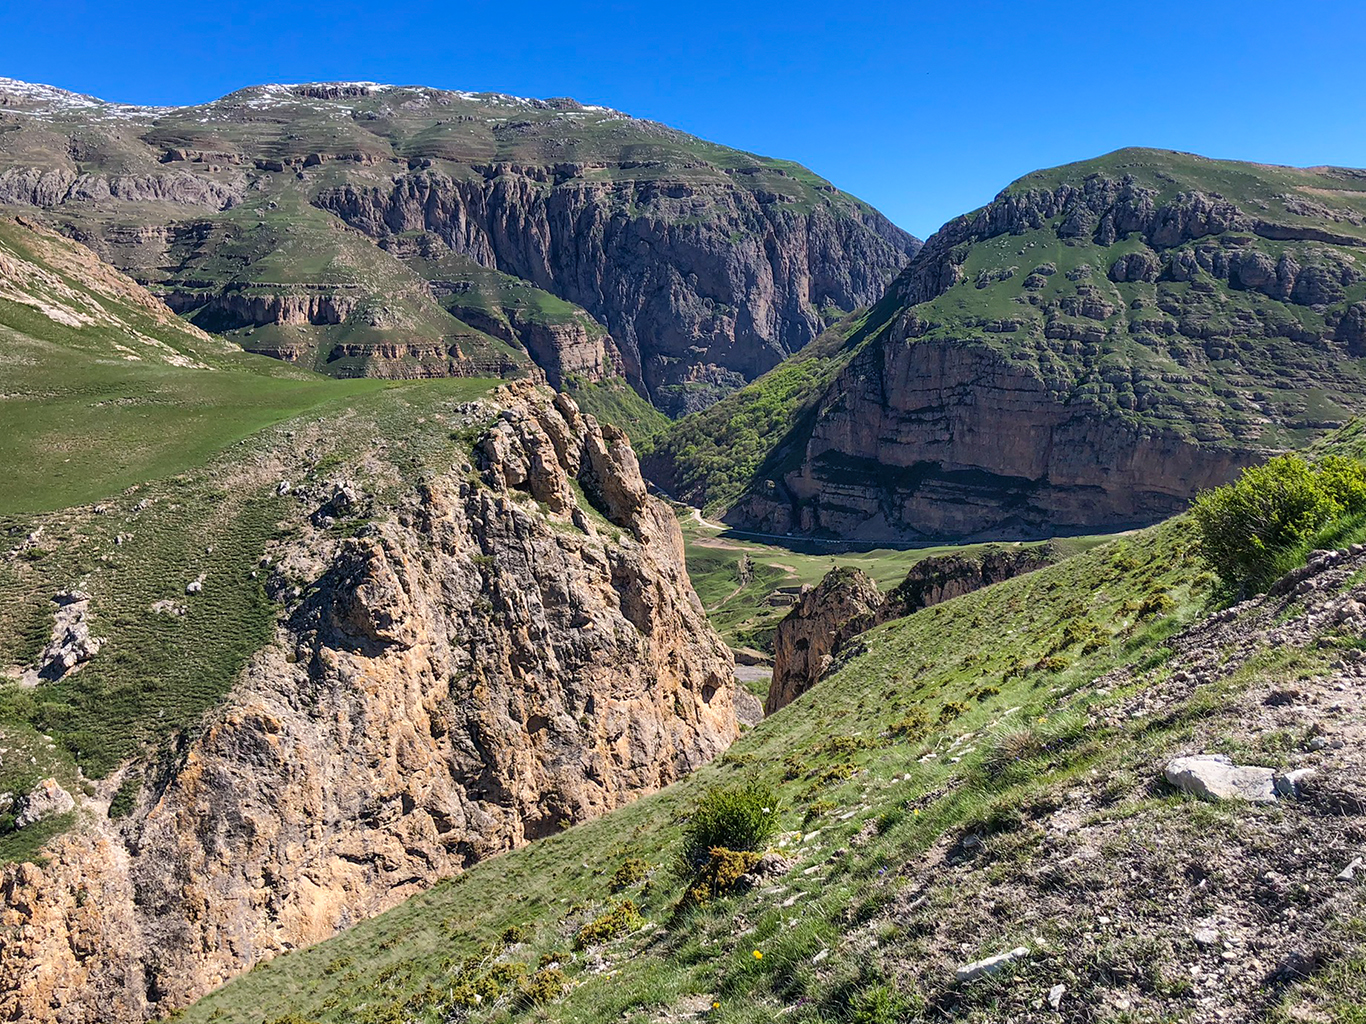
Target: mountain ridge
705	264
1182	318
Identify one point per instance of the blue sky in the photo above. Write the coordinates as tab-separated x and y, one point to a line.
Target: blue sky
924	110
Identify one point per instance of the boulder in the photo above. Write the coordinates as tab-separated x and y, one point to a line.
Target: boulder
46	799
1215	777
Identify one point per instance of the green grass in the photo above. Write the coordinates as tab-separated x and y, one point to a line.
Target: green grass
160	672
616	402
745	583
712	457
1206	360
836	762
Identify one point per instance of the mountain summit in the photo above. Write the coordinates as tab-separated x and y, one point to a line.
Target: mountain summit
1083	353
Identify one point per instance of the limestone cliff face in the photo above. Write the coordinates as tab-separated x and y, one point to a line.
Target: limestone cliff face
707	266
808	636
948	438
847	602
1086	352
697	284
485	666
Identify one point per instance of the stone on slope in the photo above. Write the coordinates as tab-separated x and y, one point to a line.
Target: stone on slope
992	964
46	799
1215	777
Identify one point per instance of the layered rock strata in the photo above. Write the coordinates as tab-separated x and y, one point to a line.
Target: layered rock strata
514	648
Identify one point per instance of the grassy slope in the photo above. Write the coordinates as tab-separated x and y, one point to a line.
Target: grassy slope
1227	372
177	446
273	240
735	576
712	456
81	418
1214	378
839	764
614	401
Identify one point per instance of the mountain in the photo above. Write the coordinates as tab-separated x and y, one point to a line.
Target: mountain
280	650
406	231
1083	353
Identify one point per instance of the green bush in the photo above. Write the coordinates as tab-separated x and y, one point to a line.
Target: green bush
742	817
623	917
1257	528
632	870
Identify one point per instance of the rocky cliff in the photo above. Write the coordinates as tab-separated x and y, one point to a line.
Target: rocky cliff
707	265
509	648
1086	352
848	602
704	285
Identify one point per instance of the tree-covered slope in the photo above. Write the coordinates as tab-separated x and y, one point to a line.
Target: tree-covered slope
1088	350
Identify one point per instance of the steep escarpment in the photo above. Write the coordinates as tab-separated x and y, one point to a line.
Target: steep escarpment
706	265
703	285
1086	352
847	602
495	653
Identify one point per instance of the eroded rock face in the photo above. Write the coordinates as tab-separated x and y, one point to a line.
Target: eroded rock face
722	297
486	666
845	602
1002	402
848	602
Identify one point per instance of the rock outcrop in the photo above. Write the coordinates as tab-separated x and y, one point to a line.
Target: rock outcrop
1085	353
487	663
848	602
707	266
732	293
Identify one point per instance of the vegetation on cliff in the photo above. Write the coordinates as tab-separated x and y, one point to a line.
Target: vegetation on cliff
1148	322
1022	807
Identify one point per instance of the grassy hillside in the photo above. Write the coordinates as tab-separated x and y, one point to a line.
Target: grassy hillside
141	455
104	388
1211	355
281	193
1161	295
976	776
747	584
710	458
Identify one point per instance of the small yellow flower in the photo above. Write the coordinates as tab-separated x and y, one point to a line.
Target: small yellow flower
758	955
716	1006
916	811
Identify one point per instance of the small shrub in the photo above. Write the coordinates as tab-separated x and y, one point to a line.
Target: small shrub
514	934
742	817
1256	528
1155	605
818	808
125	799
950	711
632	870
721	875
912	725
502	974
622	918
837	773
1052	663
542	987
1009	748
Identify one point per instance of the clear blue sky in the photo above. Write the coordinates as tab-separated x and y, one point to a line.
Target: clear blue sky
924	110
